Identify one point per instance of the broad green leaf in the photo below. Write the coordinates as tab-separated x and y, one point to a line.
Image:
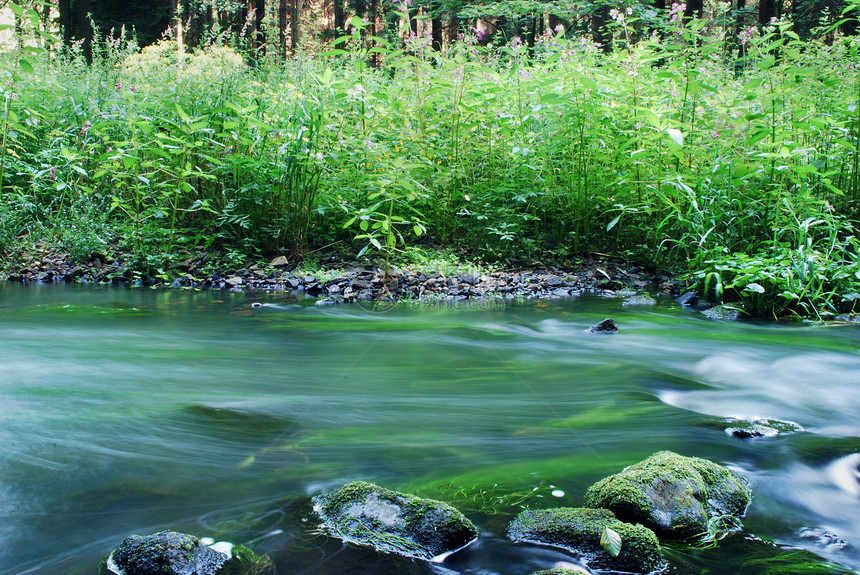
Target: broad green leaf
676	135
754	287
26	66
613	223
610	541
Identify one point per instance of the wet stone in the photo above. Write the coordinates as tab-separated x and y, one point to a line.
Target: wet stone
608	325
392	522
759	427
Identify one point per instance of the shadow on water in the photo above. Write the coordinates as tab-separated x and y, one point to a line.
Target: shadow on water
130	411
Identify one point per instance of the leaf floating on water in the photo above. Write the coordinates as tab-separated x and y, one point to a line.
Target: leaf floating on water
610	541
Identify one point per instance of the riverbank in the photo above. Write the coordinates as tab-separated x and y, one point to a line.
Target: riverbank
337	280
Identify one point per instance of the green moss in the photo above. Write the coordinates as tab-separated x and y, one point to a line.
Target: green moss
392	522
672	494
166	553
579	530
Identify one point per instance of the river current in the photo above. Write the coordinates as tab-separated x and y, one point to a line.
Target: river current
215	413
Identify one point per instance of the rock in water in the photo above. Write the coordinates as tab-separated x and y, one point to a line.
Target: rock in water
392	522
166	553
606	326
673	495
563	571
580	530
727	312
757	427
688	299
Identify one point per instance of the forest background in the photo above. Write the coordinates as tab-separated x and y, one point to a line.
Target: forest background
718	140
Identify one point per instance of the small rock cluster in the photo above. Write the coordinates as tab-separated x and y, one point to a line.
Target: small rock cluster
352	283
667	493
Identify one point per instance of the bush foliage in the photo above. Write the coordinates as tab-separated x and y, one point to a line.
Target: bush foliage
741	172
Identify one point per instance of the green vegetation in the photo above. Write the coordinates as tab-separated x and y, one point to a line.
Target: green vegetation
742	174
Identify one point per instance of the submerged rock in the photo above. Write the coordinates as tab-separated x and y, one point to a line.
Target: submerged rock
562	571
392	522
580	530
688	299
167	553
606	326
760	427
674	495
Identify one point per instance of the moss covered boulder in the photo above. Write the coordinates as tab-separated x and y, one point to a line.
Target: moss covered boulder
168	553
674	495
580	530
392	522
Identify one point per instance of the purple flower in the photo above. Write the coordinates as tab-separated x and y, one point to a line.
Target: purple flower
53	174
86	127
131	88
14	96
118	86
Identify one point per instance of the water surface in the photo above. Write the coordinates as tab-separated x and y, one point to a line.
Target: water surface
133	410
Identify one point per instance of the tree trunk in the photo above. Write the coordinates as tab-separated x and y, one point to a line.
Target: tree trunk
337	9
295	24
766	11
260	27
694	9
374	31
739	27
82	29
599	32
283	32
251	28
436	34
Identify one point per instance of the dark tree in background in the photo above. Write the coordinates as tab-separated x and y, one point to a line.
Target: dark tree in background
277	27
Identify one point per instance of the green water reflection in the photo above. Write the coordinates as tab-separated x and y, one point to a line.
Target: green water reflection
128	411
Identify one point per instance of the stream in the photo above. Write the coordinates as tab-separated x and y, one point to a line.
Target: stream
217	413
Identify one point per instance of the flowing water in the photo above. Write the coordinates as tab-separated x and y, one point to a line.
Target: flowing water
131	411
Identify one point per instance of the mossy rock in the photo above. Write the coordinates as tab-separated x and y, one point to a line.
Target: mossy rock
167	553
580	529
391	522
674	495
